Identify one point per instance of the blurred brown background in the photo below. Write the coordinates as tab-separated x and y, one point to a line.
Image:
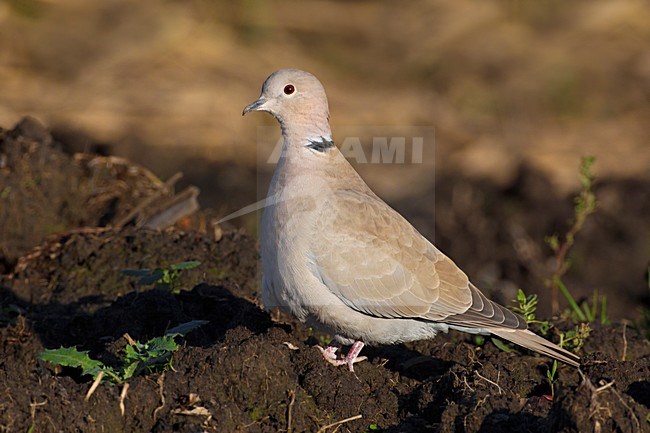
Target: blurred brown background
511	87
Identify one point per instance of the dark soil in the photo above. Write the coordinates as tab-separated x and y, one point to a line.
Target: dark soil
243	371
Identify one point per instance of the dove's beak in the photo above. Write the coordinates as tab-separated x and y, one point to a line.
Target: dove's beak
255	106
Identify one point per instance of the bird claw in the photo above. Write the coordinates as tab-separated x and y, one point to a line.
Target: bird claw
329	353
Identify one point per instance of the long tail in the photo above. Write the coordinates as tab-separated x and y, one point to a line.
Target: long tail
527	339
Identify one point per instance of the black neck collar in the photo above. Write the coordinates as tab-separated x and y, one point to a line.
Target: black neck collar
320	144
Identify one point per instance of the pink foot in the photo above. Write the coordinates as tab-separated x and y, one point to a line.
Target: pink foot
329	353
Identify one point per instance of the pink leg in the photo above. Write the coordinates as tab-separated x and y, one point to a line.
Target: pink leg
353	355
350	359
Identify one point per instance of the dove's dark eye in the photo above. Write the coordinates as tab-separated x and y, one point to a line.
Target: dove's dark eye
289	89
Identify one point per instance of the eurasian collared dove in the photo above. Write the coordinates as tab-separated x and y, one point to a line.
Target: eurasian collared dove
335	255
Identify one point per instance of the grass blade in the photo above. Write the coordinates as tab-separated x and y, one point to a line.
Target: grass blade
574	305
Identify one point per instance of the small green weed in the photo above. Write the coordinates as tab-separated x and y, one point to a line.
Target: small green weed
585	205
551	376
572	340
154	355
527	307
162	278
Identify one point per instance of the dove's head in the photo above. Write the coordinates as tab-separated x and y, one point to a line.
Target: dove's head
297	100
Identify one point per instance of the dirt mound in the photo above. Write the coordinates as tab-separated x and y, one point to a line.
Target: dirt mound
43	191
243	371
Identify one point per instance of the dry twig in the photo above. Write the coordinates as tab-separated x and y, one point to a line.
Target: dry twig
160	381
94	386
489	381
343	421
292	400
125	388
32	409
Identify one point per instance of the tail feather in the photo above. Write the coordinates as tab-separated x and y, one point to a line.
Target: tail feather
534	342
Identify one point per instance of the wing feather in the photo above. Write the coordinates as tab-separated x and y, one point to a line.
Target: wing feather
377	263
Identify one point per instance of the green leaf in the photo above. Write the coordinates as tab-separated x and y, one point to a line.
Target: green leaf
521	297
130	354
152	277
136	272
71	357
501	345
129	370
185	328
160	345
184	265
526	306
